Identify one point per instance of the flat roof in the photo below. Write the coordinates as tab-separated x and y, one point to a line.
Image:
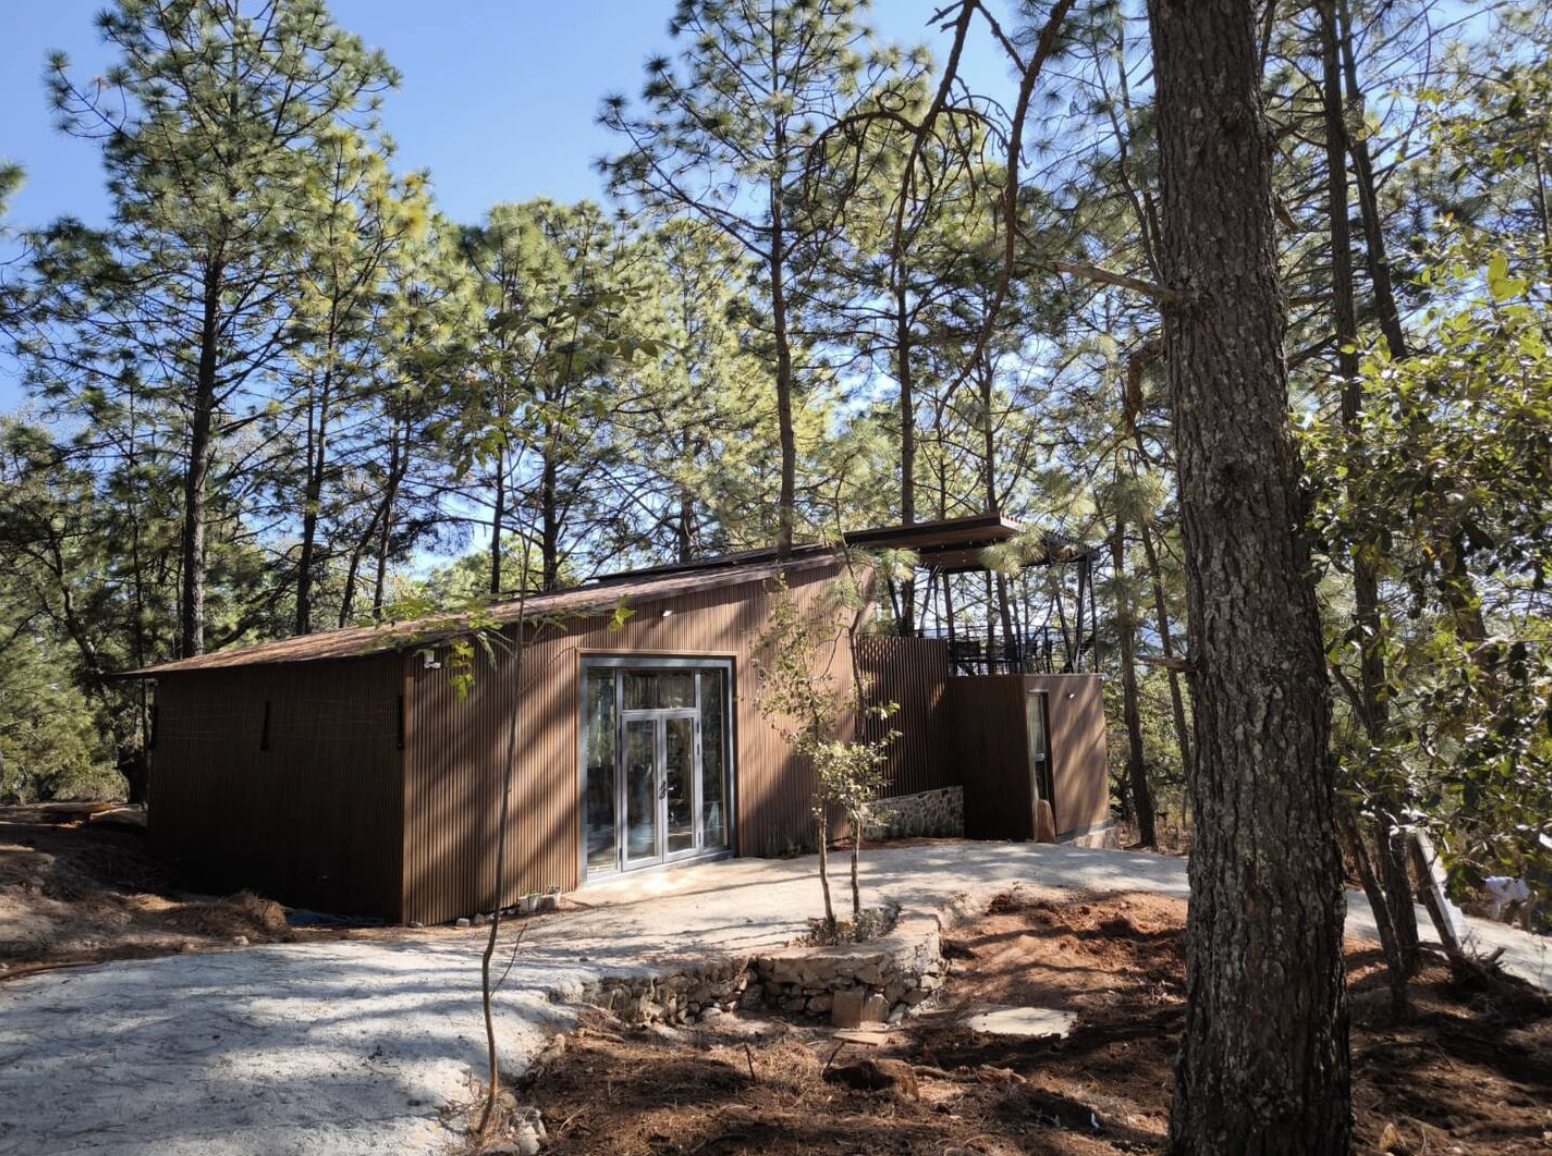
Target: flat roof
961	537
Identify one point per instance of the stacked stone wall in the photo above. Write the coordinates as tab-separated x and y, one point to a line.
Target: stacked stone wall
884	979
927	814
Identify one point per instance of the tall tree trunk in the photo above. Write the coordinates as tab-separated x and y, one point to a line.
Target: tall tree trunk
137	571
992	502
948	607
1264	1064
1379	903
1131	711
787	504
498	515
1167	645
902	320
549	522
1457	588
1368	199
1061	622
353	568
988	440
1395	888
398	467
312	499
196	478
684	527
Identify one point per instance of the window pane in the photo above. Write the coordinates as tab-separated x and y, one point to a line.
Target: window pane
600	742
640	689
714	757
1036	705
640	789
679	782
676	688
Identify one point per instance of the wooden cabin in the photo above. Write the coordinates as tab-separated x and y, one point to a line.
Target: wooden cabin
345	772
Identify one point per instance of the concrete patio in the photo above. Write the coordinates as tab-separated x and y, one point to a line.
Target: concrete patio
355	1047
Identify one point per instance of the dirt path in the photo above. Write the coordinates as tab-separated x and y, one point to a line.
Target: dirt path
1472	1072
354	1044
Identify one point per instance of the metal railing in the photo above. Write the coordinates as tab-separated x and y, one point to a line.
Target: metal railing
1036	653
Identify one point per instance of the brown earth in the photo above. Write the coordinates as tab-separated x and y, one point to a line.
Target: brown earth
78	889
81	891
1471	1072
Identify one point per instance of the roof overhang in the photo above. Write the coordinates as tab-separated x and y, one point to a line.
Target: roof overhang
949	545
579	603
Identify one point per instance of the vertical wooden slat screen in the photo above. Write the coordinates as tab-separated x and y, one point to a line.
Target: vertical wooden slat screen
911	673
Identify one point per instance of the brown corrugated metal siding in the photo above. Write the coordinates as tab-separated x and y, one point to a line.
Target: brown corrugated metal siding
315	819
1080	764
457	749
341	815
989	752
911	673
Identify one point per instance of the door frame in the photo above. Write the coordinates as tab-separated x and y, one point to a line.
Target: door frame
659	717
677	661
1042	781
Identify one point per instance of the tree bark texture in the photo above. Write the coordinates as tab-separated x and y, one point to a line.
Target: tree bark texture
191	639
1264	1065
907	439
550	520
312	502
1167	645
787	507
498	515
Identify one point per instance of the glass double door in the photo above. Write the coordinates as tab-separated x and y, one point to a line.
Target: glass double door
659	785
656	762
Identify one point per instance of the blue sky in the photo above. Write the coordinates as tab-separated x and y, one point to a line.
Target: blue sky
498	96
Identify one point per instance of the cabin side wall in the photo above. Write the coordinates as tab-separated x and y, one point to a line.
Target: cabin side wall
989	751
306	809
1080	763
457	749
989	754
913	674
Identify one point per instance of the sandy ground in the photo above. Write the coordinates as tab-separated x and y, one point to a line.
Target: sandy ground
347	1046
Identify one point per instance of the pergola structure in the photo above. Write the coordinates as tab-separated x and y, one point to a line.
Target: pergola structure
1021	630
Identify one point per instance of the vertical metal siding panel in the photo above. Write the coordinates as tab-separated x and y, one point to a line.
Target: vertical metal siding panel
989	728
419	825
992	755
312	821
453	767
1079	758
911	673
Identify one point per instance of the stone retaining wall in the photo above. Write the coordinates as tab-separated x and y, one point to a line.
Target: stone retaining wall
885	978
882	979
688	994
939	813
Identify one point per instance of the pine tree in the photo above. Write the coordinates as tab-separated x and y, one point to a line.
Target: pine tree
210	126
1264	1064
725	136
